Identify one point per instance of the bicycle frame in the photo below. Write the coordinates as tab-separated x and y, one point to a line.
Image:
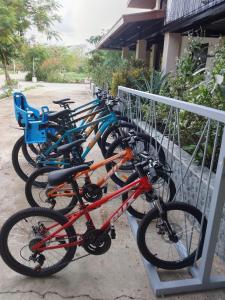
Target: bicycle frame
87	119
104	122
94	102
125	155
141	185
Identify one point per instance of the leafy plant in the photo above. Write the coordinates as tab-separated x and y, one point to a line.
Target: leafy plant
201	86
152	81
101	65
128	74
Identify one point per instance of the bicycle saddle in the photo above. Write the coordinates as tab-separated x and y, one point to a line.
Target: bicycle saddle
68	147
61	101
60	176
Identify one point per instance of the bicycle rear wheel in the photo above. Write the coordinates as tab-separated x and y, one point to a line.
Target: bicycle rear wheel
175	252
25	229
36	193
24	157
24	165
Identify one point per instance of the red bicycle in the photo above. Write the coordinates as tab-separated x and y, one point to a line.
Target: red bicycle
39	242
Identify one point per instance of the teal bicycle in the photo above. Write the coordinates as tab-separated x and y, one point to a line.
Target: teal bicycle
44	143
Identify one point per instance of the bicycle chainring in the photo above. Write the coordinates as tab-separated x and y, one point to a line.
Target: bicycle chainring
96	241
92	192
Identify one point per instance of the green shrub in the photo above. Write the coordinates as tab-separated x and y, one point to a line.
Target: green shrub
128	74
50	62
28	76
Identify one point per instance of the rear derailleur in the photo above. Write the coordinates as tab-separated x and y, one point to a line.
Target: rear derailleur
39	258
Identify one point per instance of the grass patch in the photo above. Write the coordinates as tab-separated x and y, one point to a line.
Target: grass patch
67	77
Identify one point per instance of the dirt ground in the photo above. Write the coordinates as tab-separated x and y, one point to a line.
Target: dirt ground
118	274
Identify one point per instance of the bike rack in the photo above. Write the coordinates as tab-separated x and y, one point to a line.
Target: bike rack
210	203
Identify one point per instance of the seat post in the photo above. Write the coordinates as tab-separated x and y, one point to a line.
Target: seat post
76	189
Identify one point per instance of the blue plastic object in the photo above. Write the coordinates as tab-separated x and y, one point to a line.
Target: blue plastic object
34	133
22	108
31	119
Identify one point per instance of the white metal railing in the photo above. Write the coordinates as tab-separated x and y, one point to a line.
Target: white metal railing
202	184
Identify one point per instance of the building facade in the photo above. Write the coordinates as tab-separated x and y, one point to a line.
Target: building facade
159	35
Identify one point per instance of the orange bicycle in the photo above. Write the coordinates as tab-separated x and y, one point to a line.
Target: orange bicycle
58	193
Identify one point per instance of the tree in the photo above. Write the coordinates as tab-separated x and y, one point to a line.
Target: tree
102	63
16	17
38	55
52	60
94	39
7	37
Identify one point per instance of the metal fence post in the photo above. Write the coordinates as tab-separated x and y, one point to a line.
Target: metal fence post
214	218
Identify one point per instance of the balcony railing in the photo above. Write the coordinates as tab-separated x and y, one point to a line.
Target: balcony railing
178	9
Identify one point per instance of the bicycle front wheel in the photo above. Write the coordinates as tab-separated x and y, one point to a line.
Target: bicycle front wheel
179	250
25	229
114	132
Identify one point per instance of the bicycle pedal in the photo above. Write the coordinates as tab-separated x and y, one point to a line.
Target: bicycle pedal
105	189
67	192
161	232
113	233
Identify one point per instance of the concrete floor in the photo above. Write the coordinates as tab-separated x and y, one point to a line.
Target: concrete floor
118	274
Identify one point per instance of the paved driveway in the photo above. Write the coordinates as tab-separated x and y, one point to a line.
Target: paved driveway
118	274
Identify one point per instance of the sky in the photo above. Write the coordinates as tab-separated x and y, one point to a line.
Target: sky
83	18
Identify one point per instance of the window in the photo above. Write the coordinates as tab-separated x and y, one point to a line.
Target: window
200	56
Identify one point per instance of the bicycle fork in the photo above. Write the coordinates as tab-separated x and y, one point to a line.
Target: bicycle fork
164	225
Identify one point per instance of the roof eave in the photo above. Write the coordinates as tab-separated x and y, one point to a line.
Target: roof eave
149	4
130	18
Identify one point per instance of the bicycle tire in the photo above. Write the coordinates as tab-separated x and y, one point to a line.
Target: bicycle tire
153	258
114	130
120	118
18	267
15	160
20	145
